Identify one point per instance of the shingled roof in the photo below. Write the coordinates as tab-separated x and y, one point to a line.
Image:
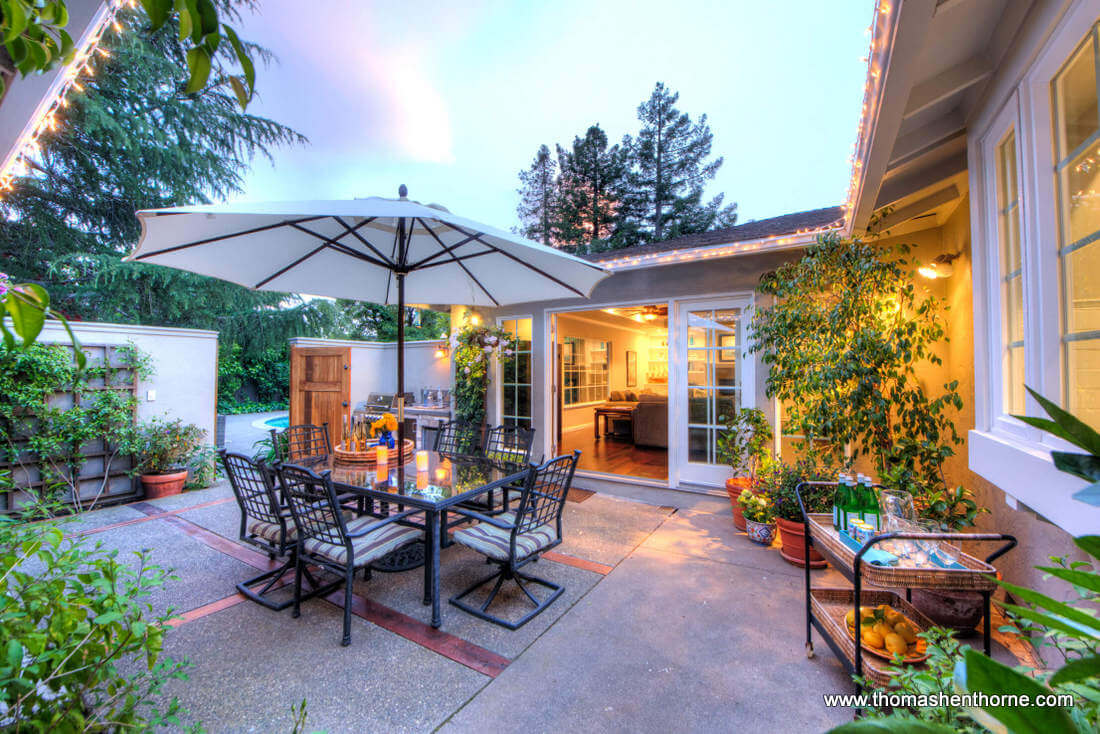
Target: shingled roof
774	227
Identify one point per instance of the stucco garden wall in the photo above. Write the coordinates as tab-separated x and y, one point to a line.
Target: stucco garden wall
185	365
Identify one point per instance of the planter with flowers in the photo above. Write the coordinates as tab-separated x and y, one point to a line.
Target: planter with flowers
162	450
473	346
759	517
779	483
744	446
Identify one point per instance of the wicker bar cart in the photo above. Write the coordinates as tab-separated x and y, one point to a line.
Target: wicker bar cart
825	608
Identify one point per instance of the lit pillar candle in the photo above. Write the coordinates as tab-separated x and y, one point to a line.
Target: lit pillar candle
421	480
381	458
421	461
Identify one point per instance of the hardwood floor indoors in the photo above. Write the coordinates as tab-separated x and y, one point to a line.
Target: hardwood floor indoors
614	455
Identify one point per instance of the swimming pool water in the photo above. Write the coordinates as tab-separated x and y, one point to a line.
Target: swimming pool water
280	422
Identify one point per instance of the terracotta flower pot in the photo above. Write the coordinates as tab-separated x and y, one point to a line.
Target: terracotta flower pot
163	485
734	487
760	532
792	535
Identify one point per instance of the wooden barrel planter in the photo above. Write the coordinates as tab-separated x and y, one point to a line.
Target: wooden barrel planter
367	459
792	535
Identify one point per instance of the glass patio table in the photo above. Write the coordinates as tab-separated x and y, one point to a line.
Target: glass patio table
448	480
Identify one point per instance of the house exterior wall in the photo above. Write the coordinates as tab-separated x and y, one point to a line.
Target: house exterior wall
736	276
185	367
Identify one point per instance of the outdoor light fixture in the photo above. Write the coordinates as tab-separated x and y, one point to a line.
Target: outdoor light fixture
441	351
940	267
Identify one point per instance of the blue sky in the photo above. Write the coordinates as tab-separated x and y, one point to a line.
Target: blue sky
453	99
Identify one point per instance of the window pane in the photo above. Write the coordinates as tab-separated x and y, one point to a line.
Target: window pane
1084	379
1077	172
523	368
1082	284
697	444
1075	99
1014	310
1014	385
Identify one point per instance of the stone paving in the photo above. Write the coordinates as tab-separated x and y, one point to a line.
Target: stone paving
671	621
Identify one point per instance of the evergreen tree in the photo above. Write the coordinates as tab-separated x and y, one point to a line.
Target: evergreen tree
593	177
135	139
539	207
670	170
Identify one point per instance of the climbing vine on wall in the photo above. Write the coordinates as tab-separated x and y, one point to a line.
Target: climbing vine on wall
473	347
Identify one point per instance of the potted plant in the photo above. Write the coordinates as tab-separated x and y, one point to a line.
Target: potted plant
162	450
744	446
759	517
779	483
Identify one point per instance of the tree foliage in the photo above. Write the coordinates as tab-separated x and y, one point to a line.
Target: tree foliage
670	170
843	341
595	195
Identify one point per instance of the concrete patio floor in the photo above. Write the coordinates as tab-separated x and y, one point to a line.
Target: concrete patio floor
671	621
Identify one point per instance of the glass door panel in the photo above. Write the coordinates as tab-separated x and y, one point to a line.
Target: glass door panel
711	335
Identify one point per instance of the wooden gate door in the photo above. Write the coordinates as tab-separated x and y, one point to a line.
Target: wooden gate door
320	387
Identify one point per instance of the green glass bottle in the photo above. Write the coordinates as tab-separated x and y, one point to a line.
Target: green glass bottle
870	511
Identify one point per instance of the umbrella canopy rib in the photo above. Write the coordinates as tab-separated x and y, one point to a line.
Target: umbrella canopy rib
339	246
230	236
354	231
294	264
447	249
510	256
471	256
460	264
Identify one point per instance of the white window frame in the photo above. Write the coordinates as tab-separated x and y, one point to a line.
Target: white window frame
1003	450
498	373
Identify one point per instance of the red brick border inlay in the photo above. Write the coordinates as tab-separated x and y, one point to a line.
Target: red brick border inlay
581	563
461	651
151	513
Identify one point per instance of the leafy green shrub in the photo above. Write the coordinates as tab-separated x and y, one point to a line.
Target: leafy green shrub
843	342
82	647
779	481
266	374
204	468
243	407
472	345
744	442
163	446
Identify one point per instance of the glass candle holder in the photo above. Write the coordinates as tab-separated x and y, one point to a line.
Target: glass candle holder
381	459
421	480
422	461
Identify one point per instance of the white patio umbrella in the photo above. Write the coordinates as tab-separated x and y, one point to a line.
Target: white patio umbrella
389	251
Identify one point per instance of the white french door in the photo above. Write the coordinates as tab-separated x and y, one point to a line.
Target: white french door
713	379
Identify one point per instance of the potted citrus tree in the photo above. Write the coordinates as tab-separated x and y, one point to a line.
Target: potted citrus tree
744	446
162	450
780	483
759	516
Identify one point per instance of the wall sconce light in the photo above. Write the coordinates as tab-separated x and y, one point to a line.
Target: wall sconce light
475	319
442	352
940	267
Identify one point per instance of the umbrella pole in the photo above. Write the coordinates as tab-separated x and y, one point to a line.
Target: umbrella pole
401	380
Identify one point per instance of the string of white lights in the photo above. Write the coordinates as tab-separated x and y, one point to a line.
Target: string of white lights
44	119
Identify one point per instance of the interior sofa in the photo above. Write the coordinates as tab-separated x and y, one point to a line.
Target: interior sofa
649	412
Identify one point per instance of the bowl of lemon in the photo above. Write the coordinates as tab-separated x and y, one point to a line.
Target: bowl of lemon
886	632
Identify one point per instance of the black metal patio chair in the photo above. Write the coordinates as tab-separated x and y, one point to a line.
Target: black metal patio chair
507	448
512	540
329	540
301	442
456	438
264	524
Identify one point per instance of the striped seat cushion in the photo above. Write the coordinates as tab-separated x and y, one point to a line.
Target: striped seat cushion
269	531
493	541
368	548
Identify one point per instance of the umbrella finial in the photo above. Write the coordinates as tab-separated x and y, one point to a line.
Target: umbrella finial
402	191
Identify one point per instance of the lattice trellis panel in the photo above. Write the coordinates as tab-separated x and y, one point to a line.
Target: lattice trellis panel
100	476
